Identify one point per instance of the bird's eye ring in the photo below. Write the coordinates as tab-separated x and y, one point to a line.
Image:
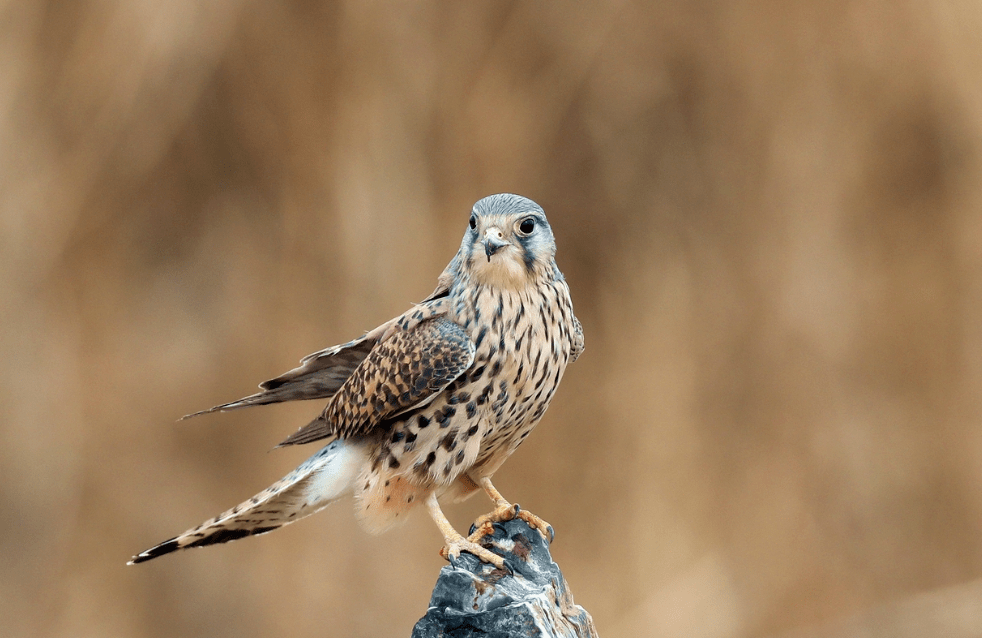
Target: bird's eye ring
527	225
473	222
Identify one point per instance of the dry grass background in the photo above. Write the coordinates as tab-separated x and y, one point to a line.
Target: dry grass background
768	213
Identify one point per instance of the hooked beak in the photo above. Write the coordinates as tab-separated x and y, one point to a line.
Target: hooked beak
493	241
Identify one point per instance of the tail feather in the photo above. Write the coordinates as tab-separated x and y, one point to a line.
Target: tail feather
321	479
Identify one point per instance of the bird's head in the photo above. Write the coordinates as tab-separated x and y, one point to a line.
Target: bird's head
508	242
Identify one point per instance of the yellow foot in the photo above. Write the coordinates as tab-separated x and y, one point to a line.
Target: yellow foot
534	521
484	525
452	549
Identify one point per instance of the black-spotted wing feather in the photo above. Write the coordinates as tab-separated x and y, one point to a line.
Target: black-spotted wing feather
405	371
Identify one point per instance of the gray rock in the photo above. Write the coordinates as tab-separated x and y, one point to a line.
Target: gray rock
472	598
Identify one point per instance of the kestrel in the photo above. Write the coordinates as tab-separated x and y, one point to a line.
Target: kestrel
431	403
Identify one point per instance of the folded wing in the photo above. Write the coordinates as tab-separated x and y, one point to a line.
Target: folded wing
403	372
321	374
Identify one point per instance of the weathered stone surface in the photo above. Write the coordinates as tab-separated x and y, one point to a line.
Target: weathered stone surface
472	598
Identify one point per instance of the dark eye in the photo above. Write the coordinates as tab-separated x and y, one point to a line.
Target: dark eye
473	222
527	226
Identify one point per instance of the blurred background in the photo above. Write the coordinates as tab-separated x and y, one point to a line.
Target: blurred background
769	214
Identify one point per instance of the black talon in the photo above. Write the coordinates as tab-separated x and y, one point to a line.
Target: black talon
473	529
552	533
517	508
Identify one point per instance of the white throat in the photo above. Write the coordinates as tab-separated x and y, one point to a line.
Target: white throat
504	269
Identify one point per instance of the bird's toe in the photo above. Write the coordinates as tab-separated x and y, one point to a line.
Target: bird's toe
543	527
452	551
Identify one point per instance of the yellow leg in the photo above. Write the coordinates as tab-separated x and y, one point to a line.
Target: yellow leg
505	511
455	543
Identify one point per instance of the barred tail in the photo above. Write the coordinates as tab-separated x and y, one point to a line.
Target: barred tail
321	479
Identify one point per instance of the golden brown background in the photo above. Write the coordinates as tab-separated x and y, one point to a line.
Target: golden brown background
768	213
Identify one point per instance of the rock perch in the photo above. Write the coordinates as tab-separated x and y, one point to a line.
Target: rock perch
472	598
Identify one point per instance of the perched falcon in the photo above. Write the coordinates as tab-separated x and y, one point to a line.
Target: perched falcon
431	403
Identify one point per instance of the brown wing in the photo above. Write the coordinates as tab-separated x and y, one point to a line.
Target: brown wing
403	372
321	375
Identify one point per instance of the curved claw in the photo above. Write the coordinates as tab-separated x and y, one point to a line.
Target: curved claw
450	558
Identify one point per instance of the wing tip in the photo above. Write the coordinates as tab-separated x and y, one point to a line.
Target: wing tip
314	431
199	413
297	438
245	402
